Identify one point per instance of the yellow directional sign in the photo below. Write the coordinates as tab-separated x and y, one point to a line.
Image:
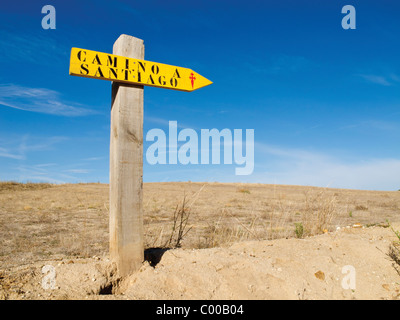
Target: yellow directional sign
105	66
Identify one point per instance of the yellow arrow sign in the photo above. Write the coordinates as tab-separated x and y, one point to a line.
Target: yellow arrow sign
99	65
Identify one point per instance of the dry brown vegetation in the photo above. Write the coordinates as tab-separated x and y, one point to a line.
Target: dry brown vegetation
44	221
394	250
66	226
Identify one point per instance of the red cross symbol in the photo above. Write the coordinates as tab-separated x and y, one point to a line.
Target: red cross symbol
192	78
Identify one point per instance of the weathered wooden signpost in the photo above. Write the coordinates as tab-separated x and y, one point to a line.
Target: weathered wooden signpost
129	73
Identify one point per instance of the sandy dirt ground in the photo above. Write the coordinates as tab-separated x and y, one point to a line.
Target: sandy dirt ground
311	268
350	259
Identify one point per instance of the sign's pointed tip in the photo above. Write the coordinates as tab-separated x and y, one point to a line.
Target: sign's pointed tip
200	81
208	82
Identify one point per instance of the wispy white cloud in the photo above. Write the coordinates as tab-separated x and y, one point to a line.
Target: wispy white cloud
52	173
380	125
19	156
83	171
19	147
37	173
43	165
383	80
31	48
375	79
94	159
6	153
302	167
39	100
165	122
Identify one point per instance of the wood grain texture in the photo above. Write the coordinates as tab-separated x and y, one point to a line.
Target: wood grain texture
126	166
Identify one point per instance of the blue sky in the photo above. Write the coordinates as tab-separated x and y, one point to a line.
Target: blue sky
324	102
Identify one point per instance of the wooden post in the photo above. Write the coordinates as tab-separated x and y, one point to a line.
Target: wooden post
126	165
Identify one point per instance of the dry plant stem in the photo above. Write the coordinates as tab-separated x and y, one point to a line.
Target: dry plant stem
394	254
318	212
252	223
180	221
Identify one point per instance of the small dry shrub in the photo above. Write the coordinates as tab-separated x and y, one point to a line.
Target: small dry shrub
394	254
228	229
179	228
319	210
360	207
394	250
180	225
243	190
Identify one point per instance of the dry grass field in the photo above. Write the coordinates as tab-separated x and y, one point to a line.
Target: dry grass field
43	222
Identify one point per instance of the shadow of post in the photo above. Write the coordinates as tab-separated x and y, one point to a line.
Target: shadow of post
154	255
